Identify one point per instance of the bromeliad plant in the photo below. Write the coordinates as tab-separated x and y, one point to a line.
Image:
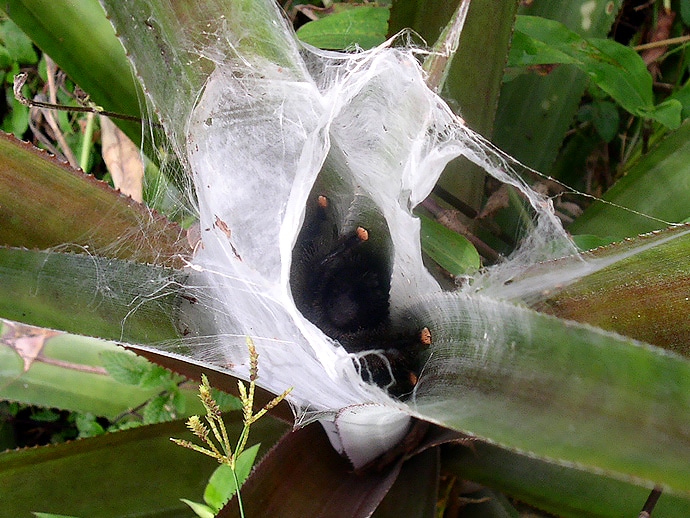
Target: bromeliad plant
302	161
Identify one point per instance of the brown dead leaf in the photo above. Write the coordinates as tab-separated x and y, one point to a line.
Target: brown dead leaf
498	200
27	341
660	33
123	159
223	227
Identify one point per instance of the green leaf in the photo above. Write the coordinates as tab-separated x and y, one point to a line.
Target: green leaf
226	401
89	295
77	210
634	288
82	42
365	26
685	11
449	249
125	367
604	116
45	415
654	187
563	490
18	120
88	426
527	51
667	113
159	410
201	510
221	486
17	45
616	69
557	390
535	111
156	376
137	472
67	373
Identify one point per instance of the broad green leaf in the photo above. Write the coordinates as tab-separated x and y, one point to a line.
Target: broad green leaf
565	491
82	42
156	37
449	249
125	367
636	288
48	369
616	69
221	486
364	26
45	203
557	390
535	111
137	472
90	295
655	186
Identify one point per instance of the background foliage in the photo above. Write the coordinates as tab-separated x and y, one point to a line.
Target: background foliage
599	106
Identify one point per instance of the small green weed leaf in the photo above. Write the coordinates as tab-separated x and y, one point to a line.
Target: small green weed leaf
201	510
683	96
17	44
616	69
126	367
668	113
131	369
159	409
88	426
155	376
365	26
449	249
221	486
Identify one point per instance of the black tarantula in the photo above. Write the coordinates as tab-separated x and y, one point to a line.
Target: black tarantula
340	281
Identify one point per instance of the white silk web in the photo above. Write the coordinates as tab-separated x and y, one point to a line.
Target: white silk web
254	123
256	140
